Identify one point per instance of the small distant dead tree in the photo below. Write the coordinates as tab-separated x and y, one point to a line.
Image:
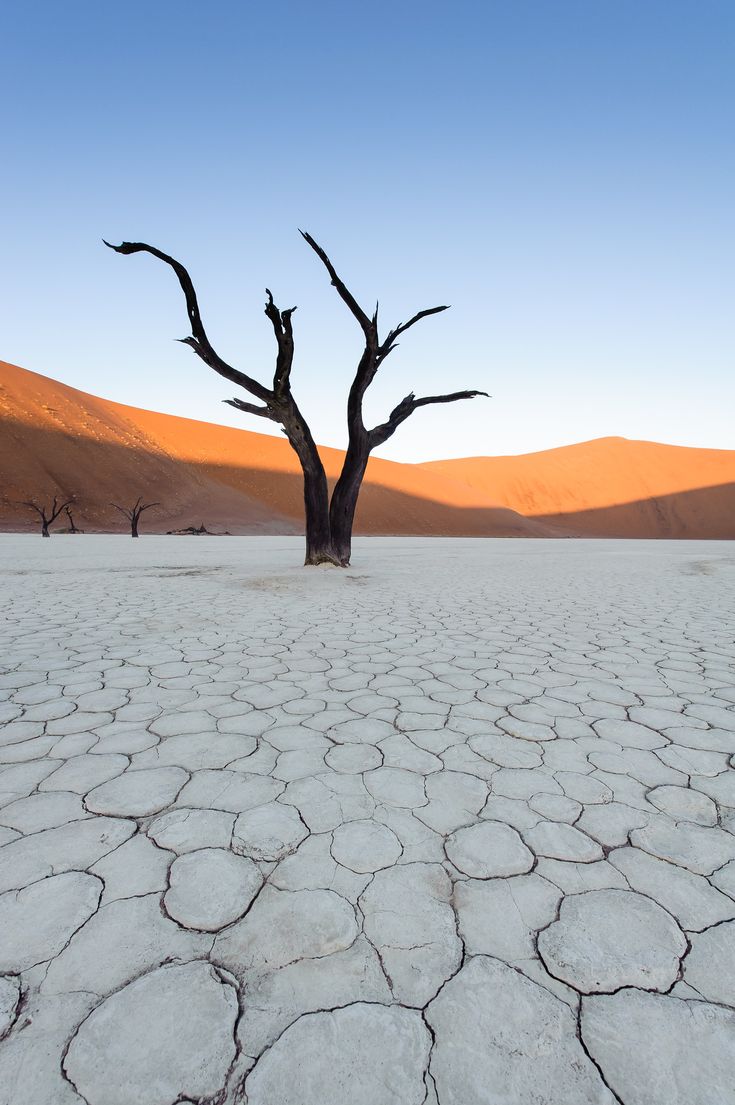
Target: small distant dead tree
328	522
72	527
48	515
133	513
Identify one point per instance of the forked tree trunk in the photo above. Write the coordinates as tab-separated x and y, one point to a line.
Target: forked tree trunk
134	526
44	529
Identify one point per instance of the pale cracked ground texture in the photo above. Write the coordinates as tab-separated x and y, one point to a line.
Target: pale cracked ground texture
454	827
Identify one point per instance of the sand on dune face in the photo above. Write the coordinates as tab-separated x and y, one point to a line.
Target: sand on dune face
611	486
55	439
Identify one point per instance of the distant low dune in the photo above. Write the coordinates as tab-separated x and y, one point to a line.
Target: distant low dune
611	487
55	439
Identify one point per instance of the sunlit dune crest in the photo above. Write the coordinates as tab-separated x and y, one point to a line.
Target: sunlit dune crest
55	439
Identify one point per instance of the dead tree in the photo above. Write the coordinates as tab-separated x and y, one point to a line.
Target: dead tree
72	527
48	517
328	523
133	513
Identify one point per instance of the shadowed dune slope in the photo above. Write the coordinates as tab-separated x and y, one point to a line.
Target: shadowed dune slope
57	440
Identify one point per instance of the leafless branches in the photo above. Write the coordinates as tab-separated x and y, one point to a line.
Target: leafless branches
133	513
405	409
328	522
48	515
361	440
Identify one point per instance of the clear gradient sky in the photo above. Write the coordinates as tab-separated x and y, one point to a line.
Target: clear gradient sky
561	171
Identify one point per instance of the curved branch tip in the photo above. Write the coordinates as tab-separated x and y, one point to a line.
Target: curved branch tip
124	247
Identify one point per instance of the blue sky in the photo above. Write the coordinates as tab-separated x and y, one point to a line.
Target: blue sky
561	172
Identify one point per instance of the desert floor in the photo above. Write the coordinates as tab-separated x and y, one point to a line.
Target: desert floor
455	826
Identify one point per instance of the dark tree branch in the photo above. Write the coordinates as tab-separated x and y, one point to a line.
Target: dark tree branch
137	508
251	408
56	510
368	364
198	341
390	342
407	406
280	405
125	510
451	398
375	351
283	330
361	441
342	289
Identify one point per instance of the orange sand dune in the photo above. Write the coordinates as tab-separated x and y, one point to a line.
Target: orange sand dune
55	439
611	487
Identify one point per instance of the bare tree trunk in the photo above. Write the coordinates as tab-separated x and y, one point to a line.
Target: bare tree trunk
319	548
344	501
44	529
134	527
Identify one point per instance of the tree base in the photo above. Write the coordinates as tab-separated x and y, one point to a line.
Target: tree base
324	556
